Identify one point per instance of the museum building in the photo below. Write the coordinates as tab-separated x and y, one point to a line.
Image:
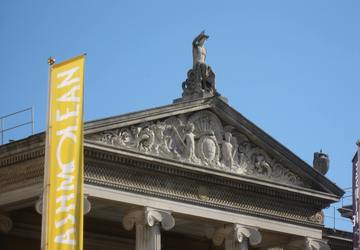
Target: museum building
195	174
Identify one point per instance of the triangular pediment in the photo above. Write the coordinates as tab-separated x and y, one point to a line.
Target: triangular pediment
208	134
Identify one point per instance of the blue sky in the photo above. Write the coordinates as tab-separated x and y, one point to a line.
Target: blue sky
291	67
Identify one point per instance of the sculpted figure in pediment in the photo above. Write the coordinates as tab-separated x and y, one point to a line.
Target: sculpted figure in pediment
229	149
184	145
200	138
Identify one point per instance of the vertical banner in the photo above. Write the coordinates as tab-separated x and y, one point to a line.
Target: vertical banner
355	201
62	227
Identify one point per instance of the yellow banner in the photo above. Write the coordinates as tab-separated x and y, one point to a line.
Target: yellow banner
63	226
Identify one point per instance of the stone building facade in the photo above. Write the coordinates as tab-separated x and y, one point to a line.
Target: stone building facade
195	174
191	175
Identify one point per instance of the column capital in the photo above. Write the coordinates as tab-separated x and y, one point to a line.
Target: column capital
39	204
316	244
6	223
307	243
150	217
153	216
238	233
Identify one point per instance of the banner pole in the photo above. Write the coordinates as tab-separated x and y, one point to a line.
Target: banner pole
44	222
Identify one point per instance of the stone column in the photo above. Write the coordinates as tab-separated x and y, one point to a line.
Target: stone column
148	222
6	224
236	237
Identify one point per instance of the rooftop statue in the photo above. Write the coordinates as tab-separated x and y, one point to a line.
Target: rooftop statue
199	54
200	80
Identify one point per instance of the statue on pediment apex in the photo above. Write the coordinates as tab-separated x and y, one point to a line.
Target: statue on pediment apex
200	80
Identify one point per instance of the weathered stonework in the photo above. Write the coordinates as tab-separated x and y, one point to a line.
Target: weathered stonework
147	222
197	162
200	138
153	180
117	172
236	237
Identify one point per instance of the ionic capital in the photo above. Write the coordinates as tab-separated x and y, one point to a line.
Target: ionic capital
153	216
238	233
39	204
150	217
316	244
307	244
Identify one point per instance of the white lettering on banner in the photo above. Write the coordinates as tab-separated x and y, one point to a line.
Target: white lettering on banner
66	238
356	197
65	202
355	217
68	114
62	200
68	74
70	95
68	168
69	218
66	184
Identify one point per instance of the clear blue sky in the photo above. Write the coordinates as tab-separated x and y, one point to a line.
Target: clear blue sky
291	67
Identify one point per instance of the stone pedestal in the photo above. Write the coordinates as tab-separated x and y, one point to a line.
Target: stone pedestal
148	222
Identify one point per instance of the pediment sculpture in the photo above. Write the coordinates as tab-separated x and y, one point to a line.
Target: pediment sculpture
200	138
200	80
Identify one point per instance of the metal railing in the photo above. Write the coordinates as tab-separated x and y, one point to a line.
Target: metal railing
332	216
332	219
3	129
347	197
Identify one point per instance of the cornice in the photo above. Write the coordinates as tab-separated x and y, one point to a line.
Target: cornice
146	115
264	140
156	180
36	150
24	150
174	168
166	181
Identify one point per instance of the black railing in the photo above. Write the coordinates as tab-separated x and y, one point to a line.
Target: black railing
4	129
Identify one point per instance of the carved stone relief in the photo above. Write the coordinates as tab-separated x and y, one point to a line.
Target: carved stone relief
200	138
318	218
